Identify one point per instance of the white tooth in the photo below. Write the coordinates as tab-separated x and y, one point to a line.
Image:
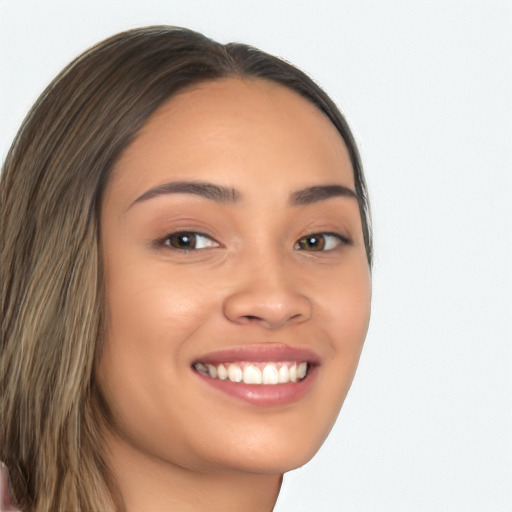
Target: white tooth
212	371
252	375
293	372
270	374
302	370
222	373
284	374
234	373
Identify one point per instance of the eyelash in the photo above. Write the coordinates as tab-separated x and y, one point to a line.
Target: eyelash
330	240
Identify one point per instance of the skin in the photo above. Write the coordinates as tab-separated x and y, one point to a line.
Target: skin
176	443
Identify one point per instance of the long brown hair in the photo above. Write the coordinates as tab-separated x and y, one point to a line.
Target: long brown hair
53	310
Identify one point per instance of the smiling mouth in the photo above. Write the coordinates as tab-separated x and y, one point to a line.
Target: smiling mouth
247	372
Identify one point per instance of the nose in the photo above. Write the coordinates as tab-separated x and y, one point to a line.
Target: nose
267	297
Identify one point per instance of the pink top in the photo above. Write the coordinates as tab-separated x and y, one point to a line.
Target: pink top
5	492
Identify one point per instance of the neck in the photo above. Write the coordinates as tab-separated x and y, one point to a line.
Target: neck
147	483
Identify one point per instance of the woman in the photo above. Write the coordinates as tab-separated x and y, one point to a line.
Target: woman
186	268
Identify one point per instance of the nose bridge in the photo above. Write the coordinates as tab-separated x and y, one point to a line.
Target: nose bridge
270	272
267	292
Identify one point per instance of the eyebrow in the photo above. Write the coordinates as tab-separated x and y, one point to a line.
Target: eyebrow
315	194
217	193
229	195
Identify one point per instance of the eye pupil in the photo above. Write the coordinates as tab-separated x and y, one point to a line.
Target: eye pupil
312	243
182	241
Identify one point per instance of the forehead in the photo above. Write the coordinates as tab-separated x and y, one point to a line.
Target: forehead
237	131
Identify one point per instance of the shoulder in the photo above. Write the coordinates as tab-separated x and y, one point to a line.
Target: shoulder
6	504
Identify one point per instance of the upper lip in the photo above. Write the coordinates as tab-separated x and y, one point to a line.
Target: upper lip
277	352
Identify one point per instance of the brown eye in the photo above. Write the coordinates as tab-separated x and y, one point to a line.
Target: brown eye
188	241
321	242
312	243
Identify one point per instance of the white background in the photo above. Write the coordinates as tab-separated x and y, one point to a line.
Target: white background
427	87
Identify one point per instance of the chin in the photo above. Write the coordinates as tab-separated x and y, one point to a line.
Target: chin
270	451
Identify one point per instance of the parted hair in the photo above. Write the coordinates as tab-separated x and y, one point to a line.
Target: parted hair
53	311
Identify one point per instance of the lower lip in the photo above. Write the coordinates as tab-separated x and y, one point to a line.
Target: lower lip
264	394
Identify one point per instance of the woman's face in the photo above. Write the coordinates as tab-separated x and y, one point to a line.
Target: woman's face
233	249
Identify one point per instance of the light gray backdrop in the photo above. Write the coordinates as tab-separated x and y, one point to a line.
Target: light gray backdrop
427	87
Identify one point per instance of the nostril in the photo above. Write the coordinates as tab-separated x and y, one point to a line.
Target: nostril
252	318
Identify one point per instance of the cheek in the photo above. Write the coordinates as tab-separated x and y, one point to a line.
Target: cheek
152	313
156	302
345	316
344	303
